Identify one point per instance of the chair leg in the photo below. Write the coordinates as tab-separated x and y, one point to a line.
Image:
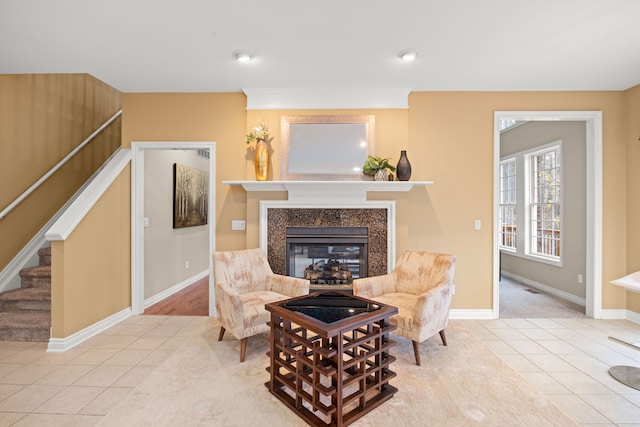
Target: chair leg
416	351
444	339
243	349
221	333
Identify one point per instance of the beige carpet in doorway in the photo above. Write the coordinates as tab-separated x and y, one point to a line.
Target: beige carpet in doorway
463	384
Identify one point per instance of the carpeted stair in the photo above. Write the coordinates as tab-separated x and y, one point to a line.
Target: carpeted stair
25	312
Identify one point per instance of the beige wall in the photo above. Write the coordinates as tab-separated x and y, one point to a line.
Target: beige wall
91	269
43	117
633	189
449	139
219	117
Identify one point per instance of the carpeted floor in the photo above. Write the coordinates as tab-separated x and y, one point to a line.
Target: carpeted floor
518	301
463	384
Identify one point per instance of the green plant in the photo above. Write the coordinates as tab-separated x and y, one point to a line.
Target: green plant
260	133
375	163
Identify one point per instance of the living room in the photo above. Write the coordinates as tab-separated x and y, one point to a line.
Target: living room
449	135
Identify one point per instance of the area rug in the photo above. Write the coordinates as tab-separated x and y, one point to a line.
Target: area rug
462	384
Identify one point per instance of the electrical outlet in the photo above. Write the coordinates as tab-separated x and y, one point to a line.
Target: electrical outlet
145	222
186	264
453	289
477	224
238	224
579	278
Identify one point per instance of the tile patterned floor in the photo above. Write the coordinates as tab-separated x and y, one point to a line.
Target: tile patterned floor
80	386
567	359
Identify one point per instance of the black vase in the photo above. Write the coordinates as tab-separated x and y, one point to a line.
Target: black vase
403	169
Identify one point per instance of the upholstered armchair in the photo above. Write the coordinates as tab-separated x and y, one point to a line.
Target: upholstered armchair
420	286
244	283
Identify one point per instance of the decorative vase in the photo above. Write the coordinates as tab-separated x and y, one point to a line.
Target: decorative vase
261	161
403	169
380	175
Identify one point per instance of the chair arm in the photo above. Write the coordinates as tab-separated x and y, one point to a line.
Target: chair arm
433	306
374	286
229	306
289	286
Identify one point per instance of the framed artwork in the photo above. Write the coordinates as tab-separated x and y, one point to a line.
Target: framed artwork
190	196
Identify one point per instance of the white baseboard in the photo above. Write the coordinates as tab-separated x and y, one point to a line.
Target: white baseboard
545	288
64	344
463	314
633	316
175	288
620	314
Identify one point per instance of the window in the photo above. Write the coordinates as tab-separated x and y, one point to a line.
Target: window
544	228
530	203
508	203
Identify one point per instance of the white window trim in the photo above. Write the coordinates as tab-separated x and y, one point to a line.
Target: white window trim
523	235
502	247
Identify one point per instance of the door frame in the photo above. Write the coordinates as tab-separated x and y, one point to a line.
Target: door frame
137	214
593	273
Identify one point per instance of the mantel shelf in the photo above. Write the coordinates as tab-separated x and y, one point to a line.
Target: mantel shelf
328	189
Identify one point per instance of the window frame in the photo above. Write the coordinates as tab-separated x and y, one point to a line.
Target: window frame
523	221
529	189
501	219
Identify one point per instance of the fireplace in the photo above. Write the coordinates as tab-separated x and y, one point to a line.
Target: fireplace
338	224
329	257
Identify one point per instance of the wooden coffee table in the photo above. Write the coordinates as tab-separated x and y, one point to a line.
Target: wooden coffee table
329	356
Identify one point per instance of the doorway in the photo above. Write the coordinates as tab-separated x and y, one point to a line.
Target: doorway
137	216
593	256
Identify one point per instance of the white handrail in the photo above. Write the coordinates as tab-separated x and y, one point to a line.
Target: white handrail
46	176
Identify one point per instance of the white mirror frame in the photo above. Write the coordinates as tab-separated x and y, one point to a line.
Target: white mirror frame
285	135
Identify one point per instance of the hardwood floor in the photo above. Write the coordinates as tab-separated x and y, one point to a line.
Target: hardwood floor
191	301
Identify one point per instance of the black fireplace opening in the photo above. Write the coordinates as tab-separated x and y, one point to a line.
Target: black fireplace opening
327	256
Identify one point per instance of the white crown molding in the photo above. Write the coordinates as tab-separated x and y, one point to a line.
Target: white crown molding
323	99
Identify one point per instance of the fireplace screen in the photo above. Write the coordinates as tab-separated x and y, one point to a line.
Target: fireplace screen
327	255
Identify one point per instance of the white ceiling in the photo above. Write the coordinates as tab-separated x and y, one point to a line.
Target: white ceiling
187	45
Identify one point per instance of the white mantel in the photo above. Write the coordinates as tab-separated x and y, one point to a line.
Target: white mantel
306	190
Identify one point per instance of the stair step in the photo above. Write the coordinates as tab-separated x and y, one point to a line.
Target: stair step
45	255
26	299
34	277
25	325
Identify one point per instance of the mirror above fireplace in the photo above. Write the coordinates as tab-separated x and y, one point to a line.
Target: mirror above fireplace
332	147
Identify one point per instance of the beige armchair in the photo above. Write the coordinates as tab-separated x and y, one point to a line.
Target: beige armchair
244	283
420	286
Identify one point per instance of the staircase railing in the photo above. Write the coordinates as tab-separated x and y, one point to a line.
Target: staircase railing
61	163
9	278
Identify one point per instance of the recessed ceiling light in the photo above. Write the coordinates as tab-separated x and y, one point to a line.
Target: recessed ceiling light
408	55
242	55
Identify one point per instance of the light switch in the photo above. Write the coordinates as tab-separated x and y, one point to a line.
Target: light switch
238	224
477	224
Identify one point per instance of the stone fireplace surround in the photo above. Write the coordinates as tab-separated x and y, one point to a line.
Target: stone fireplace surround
330	203
374	218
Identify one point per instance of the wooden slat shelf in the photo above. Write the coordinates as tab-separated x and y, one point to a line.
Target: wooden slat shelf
333	375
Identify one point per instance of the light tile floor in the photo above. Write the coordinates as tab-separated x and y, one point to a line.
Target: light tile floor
567	359
80	386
